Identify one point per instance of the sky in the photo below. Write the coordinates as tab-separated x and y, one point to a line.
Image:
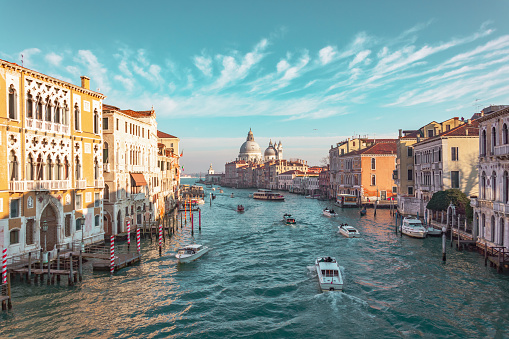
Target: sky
306	73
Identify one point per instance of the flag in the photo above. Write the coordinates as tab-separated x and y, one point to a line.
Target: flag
182	153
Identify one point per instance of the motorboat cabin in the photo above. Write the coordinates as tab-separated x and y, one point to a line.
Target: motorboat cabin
413	228
329	274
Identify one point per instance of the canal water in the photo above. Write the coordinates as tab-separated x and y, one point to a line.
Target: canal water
259	281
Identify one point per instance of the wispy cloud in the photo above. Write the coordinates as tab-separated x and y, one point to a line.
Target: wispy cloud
54	59
204	64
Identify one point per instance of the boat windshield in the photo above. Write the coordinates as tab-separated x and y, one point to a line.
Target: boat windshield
330	273
415	224
352	231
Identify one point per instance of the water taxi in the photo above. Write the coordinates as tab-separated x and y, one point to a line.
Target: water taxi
263	194
240	208
329	213
329	274
413	228
190	253
287	219
349	231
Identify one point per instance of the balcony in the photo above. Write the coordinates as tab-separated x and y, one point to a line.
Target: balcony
81	184
437	166
47	185
502	151
501	207
17	186
425	166
106	167
99	183
46	126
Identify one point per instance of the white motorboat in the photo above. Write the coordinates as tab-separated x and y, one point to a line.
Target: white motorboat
432	231
329	213
190	253
288	219
329	274
349	231
413	228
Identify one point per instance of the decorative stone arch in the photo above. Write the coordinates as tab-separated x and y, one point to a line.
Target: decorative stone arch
108	223
119	222
52	212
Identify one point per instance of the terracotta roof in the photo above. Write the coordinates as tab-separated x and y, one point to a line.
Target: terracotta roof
293	172
462	130
165	135
378	149
110	108
130	112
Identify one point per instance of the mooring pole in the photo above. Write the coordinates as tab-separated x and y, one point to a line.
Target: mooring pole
444	230
199	218
160	239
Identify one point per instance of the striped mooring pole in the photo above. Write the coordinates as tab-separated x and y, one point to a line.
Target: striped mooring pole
112	254
160	239
4	266
138	244
128	234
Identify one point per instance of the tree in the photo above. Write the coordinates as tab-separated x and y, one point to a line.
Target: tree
441	200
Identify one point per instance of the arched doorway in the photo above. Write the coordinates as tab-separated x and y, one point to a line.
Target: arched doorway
119	223
49	217
107	224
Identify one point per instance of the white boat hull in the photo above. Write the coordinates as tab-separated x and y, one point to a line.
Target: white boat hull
434	231
414	234
348	234
327	282
185	258
329	215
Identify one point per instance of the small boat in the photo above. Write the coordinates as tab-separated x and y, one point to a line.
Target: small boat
287	219
432	231
231	196
329	213
329	274
220	191
309	197
264	194
213	196
198	201
213	188
190	253
240	208
413	228
348	231
362	212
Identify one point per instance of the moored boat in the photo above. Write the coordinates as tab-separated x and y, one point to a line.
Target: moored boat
413	228
329	213
362	212
264	194
190	253
432	231
329	274
348	231
287	219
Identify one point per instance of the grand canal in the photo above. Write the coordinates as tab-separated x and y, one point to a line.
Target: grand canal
258	281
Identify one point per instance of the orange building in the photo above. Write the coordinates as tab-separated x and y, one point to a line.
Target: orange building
367	173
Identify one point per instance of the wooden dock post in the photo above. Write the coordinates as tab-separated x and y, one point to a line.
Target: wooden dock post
80	268
58	264
49	268
4	266
192	222
9	302
396	222
199	219
128	235
375	207
112	254
160	239
29	274
71	274
138	243
444	230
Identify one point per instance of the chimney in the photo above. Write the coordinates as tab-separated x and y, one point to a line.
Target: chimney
85	82
400	133
418	138
469	121
348	145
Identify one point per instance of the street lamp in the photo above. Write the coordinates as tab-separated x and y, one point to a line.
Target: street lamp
82	224
44	228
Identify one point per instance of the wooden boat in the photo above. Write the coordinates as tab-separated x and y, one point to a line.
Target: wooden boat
329	274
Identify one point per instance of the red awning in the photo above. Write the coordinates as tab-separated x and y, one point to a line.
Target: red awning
139	179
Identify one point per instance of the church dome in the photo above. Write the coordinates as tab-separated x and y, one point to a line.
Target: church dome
250	147
250	150
270	151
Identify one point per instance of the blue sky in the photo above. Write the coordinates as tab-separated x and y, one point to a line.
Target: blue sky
308	73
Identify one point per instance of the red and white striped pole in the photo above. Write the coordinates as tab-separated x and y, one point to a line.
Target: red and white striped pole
112	254
128	234
4	266
160	239
138	244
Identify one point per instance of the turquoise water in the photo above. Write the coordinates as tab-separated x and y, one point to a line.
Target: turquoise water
258	281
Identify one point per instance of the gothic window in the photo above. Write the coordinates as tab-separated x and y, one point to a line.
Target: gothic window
13	100
373	163
492	229
13	166
77	117
78	169
49	169
493	139
38	108
106	193
505	188
66	169
483	142
30	232
501	232
30	106
105	153
58	113
65	114
96	122
30	168
494	186
505	135
58	171
96	169
483	185
48	110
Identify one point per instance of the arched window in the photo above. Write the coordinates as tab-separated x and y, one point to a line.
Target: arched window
39	168
30	168
96	122
505	196
49	169
78	169
493	139
66	169
58	113
483	225
29	239
13	166
58	169
492	229
505	134
96	169
48	110
483	185
373	180
77	118
106	192
483	142
65	114
38	108
30	106
13	101
501	232
494	186
105	153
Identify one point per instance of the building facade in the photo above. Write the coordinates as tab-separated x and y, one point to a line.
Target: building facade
52	179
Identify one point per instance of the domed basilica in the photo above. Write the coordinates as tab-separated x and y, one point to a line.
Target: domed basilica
250	150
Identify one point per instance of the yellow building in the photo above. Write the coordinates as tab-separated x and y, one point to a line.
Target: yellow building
51	141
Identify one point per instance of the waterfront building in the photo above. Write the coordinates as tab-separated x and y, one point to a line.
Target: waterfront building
131	172
404	173
212	177
285	180
491	204
324	183
168	162
368	173
51	137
